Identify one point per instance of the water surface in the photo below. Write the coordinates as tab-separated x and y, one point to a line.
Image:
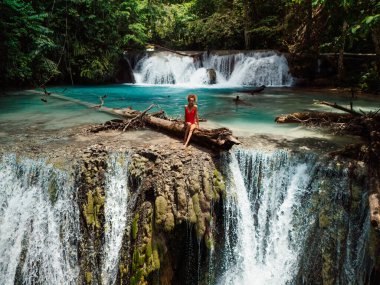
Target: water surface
216	105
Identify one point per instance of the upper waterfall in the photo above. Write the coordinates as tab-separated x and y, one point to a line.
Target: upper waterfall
240	69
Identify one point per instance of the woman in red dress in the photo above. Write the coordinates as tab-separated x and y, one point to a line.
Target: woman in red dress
191	118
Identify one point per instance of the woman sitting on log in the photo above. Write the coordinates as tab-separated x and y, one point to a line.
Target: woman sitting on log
191	118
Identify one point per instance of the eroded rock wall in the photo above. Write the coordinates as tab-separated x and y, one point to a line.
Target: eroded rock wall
176	196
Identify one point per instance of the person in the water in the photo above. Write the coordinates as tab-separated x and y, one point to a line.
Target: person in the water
191	118
239	101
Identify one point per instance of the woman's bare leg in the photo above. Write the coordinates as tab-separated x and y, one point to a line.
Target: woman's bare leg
188	125
192	128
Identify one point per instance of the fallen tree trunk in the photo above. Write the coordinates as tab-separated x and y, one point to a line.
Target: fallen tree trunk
336	106
216	139
309	117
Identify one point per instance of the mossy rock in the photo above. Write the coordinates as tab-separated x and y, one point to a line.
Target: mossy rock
88	276
191	211
161	206
219	184
92	208
53	188
135	225
324	220
169	222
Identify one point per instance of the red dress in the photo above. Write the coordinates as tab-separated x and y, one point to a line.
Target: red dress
190	115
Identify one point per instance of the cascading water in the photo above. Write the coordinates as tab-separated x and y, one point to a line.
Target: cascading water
274	208
251	69
288	219
115	211
39	224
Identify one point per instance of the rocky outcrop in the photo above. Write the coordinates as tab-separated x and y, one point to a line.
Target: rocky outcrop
91	197
177	190
125	71
177	197
211	74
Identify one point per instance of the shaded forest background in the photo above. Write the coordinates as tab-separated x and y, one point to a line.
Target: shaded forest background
81	41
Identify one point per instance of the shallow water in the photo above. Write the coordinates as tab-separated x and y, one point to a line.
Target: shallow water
22	109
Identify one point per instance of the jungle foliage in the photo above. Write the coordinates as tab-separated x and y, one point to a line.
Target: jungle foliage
79	41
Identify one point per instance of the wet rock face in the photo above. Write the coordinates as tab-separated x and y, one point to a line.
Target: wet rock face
177	190
176	196
211	74
91	198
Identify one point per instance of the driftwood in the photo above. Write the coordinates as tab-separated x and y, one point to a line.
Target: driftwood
216	139
336	106
309	117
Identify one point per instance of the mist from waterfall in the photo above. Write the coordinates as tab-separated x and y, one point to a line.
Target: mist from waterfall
273	217
39	224
240	69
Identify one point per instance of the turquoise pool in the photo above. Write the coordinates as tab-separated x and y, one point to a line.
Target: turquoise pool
23	109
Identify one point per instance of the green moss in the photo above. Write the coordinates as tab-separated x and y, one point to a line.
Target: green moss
219	184
327	269
156	259
200	227
169	222
149	250
196	205
192	215
209	241
161	209
135	224
92	208
53	189
123	269
88	209
324	221
88	276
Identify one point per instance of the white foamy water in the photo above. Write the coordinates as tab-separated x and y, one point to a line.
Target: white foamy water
263	192
250	69
115	212
39	224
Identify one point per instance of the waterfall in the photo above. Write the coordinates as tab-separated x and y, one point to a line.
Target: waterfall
250	69
288	218
115	211
274	223
39	224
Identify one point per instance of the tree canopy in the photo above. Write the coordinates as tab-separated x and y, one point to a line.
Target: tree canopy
81	41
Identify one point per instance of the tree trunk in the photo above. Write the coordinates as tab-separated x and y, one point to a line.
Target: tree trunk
215	139
248	22
309	24
305	117
341	72
376	41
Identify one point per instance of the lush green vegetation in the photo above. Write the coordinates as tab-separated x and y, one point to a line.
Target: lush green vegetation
80	41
